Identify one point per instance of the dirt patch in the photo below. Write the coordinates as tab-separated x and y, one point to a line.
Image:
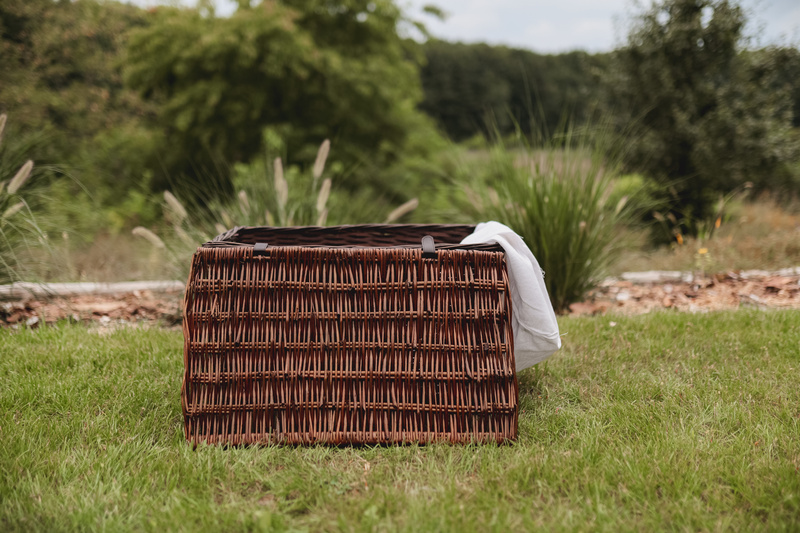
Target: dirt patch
693	294
105	310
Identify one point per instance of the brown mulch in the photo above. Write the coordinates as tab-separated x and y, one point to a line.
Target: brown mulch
717	292
720	291
128	308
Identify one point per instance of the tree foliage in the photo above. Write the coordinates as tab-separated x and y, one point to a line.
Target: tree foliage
474	88
130	99
708	115
61	72
303	70
788	76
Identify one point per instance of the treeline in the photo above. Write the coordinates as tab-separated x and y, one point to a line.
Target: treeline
131	101
478	89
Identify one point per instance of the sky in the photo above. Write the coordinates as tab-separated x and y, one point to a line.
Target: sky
592	25
552	26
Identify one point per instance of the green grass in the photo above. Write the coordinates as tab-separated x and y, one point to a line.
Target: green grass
664	421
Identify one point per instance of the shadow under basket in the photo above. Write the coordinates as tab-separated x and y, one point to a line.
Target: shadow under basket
348	335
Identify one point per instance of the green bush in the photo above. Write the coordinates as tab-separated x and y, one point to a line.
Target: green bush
560	197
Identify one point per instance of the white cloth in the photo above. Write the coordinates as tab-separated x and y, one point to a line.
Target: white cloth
533	320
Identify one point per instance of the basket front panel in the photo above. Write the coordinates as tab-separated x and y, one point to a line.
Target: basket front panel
348	346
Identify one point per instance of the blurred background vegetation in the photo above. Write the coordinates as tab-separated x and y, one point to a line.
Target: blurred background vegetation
665	141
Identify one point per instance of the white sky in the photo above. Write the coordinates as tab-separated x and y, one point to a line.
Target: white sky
594	25
562	25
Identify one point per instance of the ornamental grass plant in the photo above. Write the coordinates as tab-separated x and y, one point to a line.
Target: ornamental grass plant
265	193
561	196
19	231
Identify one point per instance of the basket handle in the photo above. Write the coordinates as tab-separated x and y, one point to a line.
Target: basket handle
428	247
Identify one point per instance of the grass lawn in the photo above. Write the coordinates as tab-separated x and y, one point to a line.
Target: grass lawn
663	421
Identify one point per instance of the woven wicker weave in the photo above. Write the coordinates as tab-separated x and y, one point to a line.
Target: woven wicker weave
348	335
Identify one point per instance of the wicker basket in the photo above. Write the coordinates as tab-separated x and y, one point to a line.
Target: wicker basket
349	334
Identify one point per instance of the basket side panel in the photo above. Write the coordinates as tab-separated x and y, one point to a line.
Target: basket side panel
307	345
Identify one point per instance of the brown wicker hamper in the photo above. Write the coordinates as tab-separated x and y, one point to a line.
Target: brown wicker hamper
348	335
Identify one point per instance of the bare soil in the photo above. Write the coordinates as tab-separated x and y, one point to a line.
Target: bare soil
733	290
106	310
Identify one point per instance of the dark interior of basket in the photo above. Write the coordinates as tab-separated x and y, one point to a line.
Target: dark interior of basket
355	338
446	236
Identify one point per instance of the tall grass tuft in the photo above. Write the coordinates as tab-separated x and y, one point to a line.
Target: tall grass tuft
402	211
559	196
20	177
267	193
175	206
149	236
19	232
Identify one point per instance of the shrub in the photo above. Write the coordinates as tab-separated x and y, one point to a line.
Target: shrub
560	199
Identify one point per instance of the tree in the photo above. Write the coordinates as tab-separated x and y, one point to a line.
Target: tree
61	75
303	70
788	67
708	116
